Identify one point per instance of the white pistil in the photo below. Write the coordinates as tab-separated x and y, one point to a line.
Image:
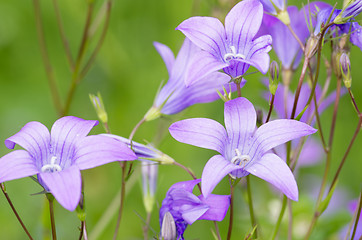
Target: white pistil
240	159
52	167
233	55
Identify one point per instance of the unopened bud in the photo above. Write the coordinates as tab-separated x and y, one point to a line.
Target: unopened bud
259	117
345	65
98	105
168	230
149	183
311	46
273	77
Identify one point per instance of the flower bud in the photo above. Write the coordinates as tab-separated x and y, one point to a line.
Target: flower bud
273	77
98	105
149	183
345	66
168	230
311	46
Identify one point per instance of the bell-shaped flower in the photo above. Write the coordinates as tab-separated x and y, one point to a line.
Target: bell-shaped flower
243	148
285	45
175	96
186	208
233	48
274	6
57	157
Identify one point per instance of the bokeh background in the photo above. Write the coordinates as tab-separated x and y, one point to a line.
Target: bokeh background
128	72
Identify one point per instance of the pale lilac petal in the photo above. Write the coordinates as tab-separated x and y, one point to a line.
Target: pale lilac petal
166	54
94	151
202	65
200	132
268	6
214	171
312	153
186	185
17	164
278	132
242	23
194	213
275	171
218	207
33	137
65	133
240	121
207	33
65	186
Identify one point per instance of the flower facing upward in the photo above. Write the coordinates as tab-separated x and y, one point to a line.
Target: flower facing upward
243	148
232	48
186	208
58	157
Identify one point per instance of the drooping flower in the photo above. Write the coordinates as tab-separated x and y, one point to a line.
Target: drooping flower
233	48
57	157
285	45
186	208
243	148
174	95
353	9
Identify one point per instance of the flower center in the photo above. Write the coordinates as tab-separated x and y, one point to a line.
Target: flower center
239	159
233	55
52	167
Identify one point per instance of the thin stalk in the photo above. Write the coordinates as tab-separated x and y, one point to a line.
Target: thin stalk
251	208
123	190
238	88
217	230
51	212
64	39
296	37
230	229
134	130
44	53
335	111
75	74
353	101
146	227
82	227
290	222
270	108
14	210
358	211
100	41
281	214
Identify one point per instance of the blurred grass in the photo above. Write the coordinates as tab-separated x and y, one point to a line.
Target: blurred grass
128	72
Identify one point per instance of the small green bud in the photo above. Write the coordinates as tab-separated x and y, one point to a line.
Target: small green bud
168	230
345	65
98	105
153	113
273	77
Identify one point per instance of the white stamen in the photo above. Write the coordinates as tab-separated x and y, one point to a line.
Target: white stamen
240	159
52	167
233	55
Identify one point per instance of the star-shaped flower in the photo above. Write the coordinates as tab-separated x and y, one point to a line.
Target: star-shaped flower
243	148
186	208
233	48
58	157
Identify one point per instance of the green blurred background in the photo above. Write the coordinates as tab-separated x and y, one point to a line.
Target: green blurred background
127	72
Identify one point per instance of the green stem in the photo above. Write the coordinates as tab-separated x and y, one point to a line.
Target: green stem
358	210
231	211
290	223
251	208
123	190
14	210
51	212
270	108
238	88
281	214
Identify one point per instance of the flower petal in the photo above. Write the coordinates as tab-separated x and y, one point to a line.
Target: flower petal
96	150
275	171
200	132
194	213
186	185
240	121
17	164
218	207
65	132
214	171
278	132
65	186
207	33
33	137
166	54
202	65
242	23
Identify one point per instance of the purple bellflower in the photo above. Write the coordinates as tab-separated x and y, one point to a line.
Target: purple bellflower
269	7
233	48
175	96
186	208
353	9
284	43
57	157
243	148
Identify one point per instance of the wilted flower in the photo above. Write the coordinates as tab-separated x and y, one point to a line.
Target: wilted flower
58	157
186	208
233	48
175	96
243	148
